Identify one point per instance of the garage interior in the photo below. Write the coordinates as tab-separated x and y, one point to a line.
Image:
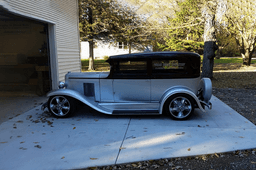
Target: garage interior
24	56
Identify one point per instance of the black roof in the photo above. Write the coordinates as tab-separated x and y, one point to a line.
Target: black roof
154	55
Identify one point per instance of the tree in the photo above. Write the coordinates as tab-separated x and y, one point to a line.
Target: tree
156	14
209	12
106	20
241	24
226	43
185	28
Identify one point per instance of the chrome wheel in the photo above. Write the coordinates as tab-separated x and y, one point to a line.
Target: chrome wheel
180	107
59	106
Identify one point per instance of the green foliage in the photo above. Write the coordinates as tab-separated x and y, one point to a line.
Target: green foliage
106	57
110	21
227	44
185	28
174	44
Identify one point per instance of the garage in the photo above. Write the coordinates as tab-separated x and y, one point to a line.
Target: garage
24	55
39	44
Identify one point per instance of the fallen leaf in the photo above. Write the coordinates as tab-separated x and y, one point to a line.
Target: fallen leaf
78	119
23	148
189	149
38	146
29	116
49	122
93	158
74	128
3	142
62	157
122	148
22	142
134	165
168	148
241	137
35	142
36	121
19	121
19	136
180	133
96	120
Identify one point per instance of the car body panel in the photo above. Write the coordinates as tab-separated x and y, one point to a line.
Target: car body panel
160	86
128	90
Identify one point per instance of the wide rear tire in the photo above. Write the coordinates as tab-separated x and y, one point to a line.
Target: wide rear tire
180	106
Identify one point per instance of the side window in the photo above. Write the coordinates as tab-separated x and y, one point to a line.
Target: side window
168	66
130	68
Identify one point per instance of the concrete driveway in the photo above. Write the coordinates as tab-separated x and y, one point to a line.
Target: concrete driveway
34	140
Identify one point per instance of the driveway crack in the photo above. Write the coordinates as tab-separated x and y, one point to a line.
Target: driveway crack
120	148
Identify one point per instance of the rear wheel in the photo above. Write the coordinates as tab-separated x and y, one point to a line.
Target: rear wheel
61	106
180	106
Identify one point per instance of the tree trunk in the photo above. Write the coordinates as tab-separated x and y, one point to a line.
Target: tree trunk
130	47
209	45
247	47
91	57
247	57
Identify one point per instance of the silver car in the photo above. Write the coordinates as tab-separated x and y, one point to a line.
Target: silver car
137	84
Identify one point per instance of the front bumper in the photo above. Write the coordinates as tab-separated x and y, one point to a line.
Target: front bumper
209	104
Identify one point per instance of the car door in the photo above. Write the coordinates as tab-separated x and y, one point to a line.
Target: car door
131	82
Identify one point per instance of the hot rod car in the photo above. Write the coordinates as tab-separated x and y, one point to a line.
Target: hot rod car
139	83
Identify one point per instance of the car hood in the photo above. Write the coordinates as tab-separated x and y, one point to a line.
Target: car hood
85	75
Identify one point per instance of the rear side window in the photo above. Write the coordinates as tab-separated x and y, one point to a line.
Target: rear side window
178	67
168	65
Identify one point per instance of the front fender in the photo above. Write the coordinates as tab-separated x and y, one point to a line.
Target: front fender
76	95
176	90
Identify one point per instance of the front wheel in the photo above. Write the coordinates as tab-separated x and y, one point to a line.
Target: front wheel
180	106
61	106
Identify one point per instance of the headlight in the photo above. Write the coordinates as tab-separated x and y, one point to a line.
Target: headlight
61	85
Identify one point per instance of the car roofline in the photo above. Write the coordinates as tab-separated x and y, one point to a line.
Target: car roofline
153	55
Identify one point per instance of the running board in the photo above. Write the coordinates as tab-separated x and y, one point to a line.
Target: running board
135	112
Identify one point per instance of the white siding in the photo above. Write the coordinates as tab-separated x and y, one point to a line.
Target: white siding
107	49
64	14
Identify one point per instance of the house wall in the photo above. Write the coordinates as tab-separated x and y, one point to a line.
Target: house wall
106	49
63	16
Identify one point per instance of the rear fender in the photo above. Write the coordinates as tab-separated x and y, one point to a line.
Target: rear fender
78	96
177	90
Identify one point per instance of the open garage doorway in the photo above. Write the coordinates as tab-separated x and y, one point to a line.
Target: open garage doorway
24	56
